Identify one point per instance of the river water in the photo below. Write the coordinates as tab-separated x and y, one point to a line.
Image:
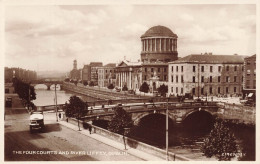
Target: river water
184	139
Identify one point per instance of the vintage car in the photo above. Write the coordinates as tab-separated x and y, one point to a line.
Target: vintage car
36	121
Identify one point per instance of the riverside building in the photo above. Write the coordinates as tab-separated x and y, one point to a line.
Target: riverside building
206	74
159	46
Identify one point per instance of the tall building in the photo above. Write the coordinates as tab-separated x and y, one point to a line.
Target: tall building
249	83
94	66
106	75
86	73
206	74
159	46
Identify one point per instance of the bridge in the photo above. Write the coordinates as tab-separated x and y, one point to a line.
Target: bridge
46	82
178	111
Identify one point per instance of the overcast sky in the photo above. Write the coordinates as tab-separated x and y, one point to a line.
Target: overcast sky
50	37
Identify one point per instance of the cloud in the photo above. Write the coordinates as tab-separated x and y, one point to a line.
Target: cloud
186	17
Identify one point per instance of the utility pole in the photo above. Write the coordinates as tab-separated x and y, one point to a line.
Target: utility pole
56	102
29	98
167	131
198	81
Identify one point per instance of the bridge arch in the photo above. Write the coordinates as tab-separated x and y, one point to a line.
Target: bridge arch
139	116
202	119
41	86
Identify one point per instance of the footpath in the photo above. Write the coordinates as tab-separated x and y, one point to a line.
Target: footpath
117	145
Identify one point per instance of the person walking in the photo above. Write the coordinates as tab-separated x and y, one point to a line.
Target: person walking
90	128
59	116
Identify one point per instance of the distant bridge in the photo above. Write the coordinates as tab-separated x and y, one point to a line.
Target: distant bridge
48	83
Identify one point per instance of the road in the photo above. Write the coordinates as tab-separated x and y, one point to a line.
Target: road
62	143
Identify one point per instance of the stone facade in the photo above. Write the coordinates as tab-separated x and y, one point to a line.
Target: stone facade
106	75
26	75
250	73
159	46
201	75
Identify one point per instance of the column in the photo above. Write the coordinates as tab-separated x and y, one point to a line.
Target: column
155	48
130	80
160	44
172	45
147	47
165	44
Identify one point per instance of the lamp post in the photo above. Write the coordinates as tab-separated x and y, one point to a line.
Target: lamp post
126	131
167	132
55	85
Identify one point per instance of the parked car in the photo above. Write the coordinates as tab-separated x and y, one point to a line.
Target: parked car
8	102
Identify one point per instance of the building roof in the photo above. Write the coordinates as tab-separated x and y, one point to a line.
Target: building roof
126	63
96	64
158	31
110	65
249	57
206	58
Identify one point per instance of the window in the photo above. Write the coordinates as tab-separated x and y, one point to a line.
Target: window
172	89
202	79
193	91
210	79
177	68
177	79
165	77
219	79
248	62
145	69
211	68
172	78
194	68
181	68
176	89
248	72
235	79
218	90
254	84
193	79
202	68
219	68
159	70
235	68
254	72
145	77
235	89
227	79
242	68
182	79
202	90
172	68
151	69
210	90
226	89
106	71
227	68
181	90
165	70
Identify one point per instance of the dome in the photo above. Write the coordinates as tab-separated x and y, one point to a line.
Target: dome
158	31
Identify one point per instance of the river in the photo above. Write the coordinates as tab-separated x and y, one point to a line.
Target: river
184	139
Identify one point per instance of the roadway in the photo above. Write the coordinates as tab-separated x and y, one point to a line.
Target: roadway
60	142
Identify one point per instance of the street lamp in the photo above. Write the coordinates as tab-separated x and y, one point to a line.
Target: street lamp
167	132
126	131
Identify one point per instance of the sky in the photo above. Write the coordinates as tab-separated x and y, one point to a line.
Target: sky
50	37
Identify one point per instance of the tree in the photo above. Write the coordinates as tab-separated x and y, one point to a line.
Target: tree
24	90
144	87
67	80
110	86
85	83
75	108
125	88
163	89
120	120
91	84
220	143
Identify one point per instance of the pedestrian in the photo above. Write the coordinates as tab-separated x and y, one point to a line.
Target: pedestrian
90	128
59	116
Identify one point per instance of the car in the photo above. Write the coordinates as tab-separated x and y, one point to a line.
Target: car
8	102
36	121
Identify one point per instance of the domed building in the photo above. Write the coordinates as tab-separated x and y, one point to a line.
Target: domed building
159	46
159	43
